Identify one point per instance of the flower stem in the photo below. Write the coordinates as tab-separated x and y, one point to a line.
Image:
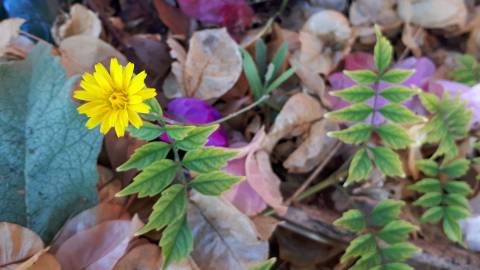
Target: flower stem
237	113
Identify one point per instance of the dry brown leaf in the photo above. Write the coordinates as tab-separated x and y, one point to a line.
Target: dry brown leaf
80	53
414	37
143	257
296	116
211	67
314	149
433	13
265	226
40	261
17	244
80	21
172	17
224	238
9	29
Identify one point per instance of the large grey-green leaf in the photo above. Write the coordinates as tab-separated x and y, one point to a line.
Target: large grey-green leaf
47	157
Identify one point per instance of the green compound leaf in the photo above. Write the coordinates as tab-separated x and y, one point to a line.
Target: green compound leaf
356	134
456	212
352	220
458	187
399	114
395	266
430	101
386	212
355	94
458	200
153	179
452	230
267	265
428	167
146	155
171	206
156	112
427	185
360	167
214	183
355	113
432	215
398	94
176	242
387	161
396	231
196	138
362	76
178	132
47	157
468	71
368	261
399	251
253	77
146	132
429	199
394	136
207	159
364	244
456	168
383	52
397	75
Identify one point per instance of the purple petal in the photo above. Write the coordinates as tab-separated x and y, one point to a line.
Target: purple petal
359	60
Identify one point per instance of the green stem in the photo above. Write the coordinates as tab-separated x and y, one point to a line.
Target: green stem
176	155
237	113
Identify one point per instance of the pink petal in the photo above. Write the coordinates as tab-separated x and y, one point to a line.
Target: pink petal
359	60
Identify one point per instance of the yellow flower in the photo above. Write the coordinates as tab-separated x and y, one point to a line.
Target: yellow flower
114	99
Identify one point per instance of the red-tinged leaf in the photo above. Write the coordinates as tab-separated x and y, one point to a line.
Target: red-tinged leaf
172	17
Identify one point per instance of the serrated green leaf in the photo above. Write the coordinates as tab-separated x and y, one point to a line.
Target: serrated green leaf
458	187
214	183
196	138
397	266
469	71
204	160
396	231
456	212
367	262
352	220
430	101
394	136
399	114
176	242
447	147
386	211
360	167
456	168
355	94
155	108
360	246
146	132
356	134
267	265
145	155
261	56
428	167
427	185
355	113
432	215
452	230
429	199
153	179
178	132
398	93
171	206
253	77
456	199
362	76
397	75
281	79
383	52
387	161
399	252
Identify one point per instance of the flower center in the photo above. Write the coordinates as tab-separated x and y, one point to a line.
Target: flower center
118	100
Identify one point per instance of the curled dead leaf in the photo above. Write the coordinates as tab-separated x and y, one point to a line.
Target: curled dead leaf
80	21
210	68
433	13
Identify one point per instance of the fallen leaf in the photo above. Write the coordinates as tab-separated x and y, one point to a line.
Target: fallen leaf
433	13
211	67
9	29
40	261
172	17
224	238
143	257
17	244
265	226
313	149
80	21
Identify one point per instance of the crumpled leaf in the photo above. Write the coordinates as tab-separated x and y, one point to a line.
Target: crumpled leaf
313	149
224	238
40	261
17	243
50	154
210	68
9	29
98	247
433	13
80	21
80	53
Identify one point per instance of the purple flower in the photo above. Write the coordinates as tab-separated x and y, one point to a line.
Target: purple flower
195	111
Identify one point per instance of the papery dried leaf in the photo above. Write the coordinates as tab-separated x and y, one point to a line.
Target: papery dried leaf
40	261
9	29
433	13
80	21
143	257
211	67
224	238
17	243
265	226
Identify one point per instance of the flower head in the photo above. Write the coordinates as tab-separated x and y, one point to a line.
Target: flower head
114	99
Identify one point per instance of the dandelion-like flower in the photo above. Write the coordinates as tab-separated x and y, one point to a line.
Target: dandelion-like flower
114	99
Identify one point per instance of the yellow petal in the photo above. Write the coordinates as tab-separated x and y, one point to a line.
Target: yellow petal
135	99
127	75
137	83
105	124
116	71
141	108
123	117
119	130
113	118
147	93
90	107
85	95
94	121
135	119
102	77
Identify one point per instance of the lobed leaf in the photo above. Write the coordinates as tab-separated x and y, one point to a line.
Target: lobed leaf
360	246
432	215
360	167
427	185
397	75
352	220
398	94
430	101
428	167
146	132
396	231
429	199
383	52
362	76
196	138
176	242
399	114
456	168
386	212
178	132
399	252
